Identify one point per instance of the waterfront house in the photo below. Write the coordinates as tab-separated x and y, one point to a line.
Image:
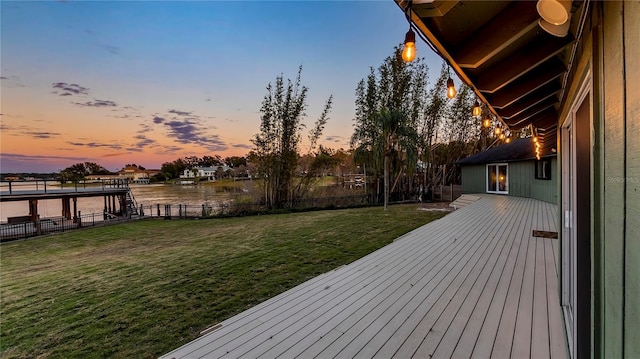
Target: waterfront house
209	173
512	169
137	175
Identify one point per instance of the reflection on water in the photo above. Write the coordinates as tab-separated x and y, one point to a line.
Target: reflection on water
144	195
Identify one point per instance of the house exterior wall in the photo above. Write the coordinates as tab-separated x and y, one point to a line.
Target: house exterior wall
522	181
610	50
618	177
474	178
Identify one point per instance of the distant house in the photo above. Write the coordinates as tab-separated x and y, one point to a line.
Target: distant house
202	172
105	177
512	169
136	174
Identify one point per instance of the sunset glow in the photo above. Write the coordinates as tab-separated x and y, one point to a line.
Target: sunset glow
148	82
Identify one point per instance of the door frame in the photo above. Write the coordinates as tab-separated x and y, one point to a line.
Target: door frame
575	314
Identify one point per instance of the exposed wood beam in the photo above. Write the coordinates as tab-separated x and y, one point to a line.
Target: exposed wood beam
433	9
546	121
505	28
528	114
528	83
530	100
521	62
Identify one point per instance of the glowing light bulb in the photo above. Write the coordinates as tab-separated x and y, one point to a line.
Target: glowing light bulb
409	51
486	123
451	90
508	140
477	111
535	139
502	136
498	130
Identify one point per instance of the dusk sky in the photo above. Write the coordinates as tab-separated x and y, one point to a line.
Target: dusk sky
117	82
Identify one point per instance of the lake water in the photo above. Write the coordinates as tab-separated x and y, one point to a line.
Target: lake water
147	195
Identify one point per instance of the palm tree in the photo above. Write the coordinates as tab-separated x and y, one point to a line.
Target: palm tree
398	144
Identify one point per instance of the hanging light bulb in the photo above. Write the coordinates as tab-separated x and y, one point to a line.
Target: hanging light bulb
508	140
498	130
451	89
477	110
502	136
409	50
486	123
535	139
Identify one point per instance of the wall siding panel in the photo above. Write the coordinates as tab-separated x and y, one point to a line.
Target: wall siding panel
613	147
474	179
522	182
632	235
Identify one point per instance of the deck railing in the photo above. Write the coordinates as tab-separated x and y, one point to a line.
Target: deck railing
47	186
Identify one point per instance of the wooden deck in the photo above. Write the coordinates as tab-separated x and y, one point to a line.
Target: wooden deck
474	284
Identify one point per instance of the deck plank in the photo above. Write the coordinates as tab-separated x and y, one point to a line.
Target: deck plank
474	283
557	342
540	325
521	347
467	341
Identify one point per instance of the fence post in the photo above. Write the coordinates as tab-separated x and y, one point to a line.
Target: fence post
158	209
79	219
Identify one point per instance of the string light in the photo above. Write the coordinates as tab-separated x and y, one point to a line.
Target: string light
451	89
477	110
498	130
409	50
486	123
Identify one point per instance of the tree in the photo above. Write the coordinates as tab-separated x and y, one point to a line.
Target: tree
80	170
276	145
235	161
389	109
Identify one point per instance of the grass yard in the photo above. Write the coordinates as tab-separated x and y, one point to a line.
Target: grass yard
144	288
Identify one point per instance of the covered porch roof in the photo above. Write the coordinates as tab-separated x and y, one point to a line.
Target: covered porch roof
519	70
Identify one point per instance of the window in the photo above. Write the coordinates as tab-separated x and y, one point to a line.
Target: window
543	169
497	178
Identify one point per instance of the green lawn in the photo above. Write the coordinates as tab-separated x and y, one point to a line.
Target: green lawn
144	288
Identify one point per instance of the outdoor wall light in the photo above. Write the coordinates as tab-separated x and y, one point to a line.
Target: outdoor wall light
409	50
555	30
477	111
451	89
555	12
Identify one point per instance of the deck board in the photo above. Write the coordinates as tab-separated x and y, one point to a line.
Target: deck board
475	283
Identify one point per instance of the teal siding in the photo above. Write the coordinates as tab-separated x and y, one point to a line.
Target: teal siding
522	182
473	179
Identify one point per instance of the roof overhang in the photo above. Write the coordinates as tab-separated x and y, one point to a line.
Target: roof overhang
500	50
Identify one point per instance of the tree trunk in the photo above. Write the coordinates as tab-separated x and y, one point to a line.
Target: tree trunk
386	181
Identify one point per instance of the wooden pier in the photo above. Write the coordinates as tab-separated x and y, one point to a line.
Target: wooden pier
116	196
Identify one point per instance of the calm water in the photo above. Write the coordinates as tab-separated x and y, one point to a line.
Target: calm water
144	195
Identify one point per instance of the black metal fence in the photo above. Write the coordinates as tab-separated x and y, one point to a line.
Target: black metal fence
228	209
50	225
44	226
